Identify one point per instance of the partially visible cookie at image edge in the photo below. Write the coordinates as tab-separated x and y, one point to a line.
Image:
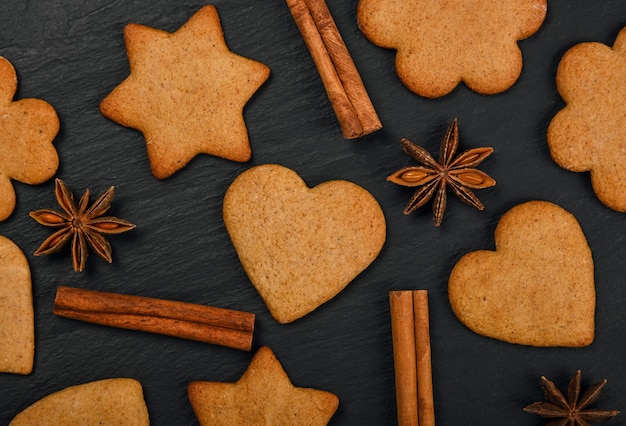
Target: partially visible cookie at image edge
588	134
27	129
442	43
17	316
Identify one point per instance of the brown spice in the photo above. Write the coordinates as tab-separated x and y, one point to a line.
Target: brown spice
425	397
432	176
83	225
572	411
410	328
404	357
337	70
208	324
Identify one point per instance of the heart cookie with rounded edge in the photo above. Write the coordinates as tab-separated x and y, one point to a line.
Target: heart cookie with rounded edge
537	287
17	316
301	246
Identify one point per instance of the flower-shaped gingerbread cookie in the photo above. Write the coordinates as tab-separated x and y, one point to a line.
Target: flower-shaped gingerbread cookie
440	43
589	133
27	129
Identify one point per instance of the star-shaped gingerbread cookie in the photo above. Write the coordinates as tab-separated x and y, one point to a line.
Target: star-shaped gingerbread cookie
186	92
263	396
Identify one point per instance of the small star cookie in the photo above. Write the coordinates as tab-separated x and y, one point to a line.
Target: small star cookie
186	92
263	395
27	129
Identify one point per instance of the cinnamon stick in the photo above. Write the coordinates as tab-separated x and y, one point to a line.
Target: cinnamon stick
410	327
344	86
425	399
208	324
404	357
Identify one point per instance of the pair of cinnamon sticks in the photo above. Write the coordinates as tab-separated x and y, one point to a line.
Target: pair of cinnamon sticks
410	328
202	323
341	79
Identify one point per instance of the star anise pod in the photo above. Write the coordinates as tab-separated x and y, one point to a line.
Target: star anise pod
572	411
433	177
84	225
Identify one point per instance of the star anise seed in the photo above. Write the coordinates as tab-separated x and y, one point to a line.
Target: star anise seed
433	177
84	226
572	411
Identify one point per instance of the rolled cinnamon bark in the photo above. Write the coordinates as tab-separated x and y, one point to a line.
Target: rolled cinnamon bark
404	356
208	324
342	81
425	400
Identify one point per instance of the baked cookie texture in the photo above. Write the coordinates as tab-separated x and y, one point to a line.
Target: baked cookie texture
113	402
589	133
27	129
186	93
441	43
536	288
264	395
17	316
301	246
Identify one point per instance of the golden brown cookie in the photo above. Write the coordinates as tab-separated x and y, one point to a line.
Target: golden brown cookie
264	395
301	246
588	134
27	130
186	92
536	288
17	328
113	402
440	43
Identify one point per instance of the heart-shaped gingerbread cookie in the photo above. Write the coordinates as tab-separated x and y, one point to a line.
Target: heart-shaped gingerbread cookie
17	316
301	246
537	288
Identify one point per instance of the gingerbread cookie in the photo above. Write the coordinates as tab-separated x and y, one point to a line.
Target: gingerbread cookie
186	92
441	43
115	402
301	246
17	317
27	130
263	395
537	287
588	134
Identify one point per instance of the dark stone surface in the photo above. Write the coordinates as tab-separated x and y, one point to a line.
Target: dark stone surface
71	54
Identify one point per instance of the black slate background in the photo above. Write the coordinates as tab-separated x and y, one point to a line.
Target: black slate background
71	54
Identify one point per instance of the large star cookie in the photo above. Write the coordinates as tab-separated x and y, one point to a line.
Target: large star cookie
264	395
186	92
27	130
